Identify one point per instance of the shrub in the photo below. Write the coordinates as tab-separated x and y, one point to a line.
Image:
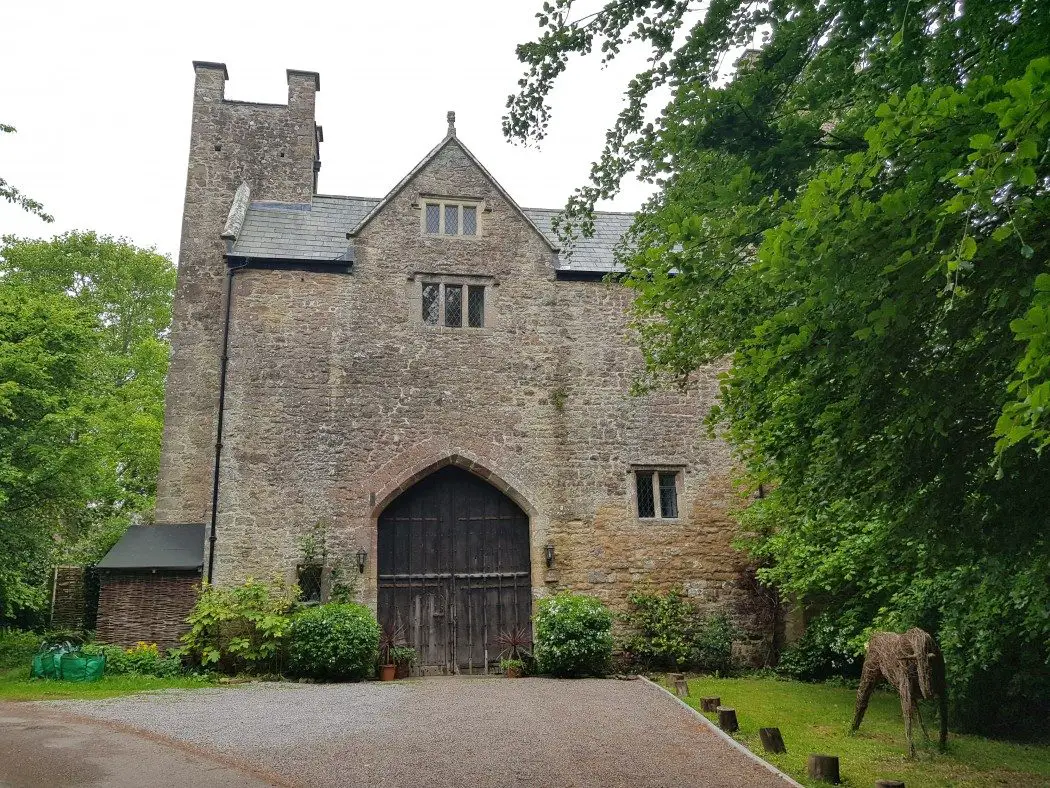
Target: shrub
663	630
240	629
403	655
668	632
142	659
714	644
573	636
17	649
821	653
334	642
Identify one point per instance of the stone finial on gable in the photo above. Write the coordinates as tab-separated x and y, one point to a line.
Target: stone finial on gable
451	117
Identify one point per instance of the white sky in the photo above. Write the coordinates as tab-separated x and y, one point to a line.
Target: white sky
100	93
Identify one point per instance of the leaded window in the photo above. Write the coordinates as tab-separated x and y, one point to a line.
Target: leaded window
476	306
431	304
656	494
646	503
470	220
454	305
450	218
669	495
309	577
433	218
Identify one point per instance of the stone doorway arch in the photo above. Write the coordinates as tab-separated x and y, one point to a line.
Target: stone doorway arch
454	569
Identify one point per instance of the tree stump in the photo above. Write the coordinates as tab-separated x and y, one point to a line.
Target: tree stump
824	768
710	704
672	677
727	719
681	687
889	784
772	741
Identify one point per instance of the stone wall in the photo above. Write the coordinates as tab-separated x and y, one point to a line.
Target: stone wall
272	148
145	606
339	397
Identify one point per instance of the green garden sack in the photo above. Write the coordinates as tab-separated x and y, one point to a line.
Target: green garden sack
47	664
82	667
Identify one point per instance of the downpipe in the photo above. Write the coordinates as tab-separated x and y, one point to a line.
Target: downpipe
223	363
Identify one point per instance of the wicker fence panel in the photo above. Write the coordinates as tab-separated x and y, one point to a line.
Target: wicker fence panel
145	606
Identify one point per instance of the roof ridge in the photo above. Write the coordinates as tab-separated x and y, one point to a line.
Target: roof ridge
597	213
347	197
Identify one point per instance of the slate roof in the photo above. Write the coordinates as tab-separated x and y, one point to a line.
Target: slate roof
158	547
317	231
301	231
594	254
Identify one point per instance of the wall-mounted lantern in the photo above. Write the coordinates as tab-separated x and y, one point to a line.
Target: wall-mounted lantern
362	556
548	553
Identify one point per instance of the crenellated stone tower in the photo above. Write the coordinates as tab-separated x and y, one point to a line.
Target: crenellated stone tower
274	149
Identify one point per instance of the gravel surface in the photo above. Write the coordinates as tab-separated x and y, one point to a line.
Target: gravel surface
456	731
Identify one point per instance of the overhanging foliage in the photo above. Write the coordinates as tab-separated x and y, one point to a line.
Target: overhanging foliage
858	220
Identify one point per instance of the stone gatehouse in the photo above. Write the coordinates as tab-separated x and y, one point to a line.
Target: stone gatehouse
433	380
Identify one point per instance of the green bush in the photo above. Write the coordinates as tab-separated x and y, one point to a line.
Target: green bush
821	653
240	629
573	636
662	630
17	649
142	659
668	632
714	644
334	642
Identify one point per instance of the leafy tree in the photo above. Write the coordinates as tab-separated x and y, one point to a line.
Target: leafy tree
83	355
46	348
856	216
13	195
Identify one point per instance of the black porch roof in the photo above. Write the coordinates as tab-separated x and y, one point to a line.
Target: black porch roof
179	546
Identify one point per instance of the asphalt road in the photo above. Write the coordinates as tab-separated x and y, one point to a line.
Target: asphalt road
42	746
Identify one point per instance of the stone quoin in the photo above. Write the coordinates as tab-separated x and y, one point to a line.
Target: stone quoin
372	342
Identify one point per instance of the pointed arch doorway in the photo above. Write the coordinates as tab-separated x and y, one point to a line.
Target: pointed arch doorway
454	569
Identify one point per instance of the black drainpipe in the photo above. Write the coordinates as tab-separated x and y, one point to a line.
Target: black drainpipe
230	271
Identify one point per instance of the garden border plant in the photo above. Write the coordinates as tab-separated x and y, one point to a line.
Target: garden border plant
668	631
573	635
242	628
334	641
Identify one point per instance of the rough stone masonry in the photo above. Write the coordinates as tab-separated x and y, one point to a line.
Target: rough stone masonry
340	394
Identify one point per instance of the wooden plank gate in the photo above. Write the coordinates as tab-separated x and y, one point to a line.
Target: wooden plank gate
453	560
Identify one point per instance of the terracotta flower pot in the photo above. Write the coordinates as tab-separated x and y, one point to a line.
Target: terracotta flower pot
387	672
512	672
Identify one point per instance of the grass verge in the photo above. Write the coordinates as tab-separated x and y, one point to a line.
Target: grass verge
815	718
15	685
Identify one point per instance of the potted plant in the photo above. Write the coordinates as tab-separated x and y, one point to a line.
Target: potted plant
404	657
515	649
512	668
391	638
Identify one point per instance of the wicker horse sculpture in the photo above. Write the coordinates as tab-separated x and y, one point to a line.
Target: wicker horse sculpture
913	664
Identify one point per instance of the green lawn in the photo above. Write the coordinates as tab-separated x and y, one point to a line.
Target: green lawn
16	656
15	684
815	718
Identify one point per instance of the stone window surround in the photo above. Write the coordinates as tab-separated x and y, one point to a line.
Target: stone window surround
442	201
420	278
678	469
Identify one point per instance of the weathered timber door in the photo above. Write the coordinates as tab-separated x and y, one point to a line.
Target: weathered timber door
453	559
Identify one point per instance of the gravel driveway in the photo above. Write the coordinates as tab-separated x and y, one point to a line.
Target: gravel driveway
456	731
